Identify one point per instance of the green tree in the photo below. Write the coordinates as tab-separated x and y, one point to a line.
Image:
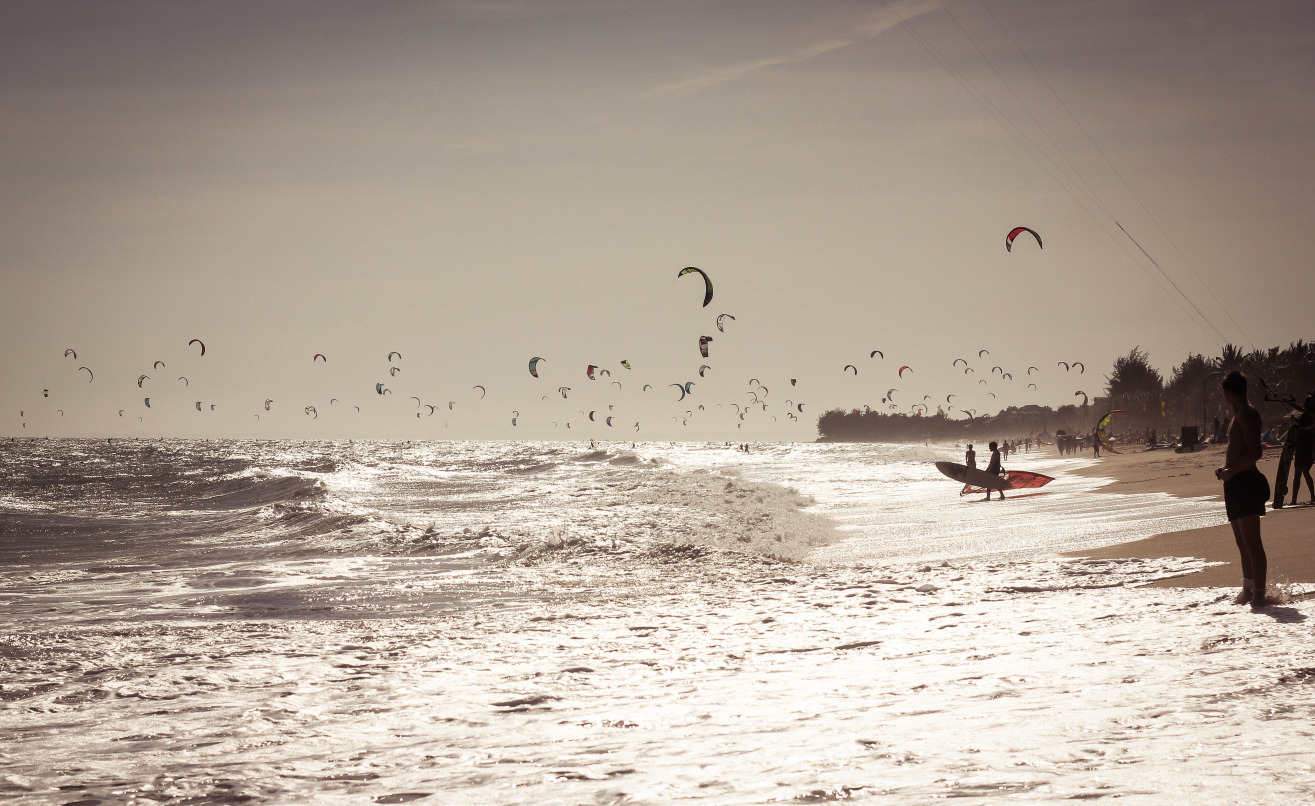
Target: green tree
1135	386
1188	389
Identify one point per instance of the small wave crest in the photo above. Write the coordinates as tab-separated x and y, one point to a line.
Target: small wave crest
621	458
252	491
642	514
726	512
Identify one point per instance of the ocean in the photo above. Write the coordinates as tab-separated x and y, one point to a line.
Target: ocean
560	623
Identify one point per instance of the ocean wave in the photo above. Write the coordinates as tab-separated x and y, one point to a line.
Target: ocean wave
538	467
642	510
727	512
251	491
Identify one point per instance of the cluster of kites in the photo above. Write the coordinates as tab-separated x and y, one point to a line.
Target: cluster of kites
997	373
684	388
142	379
683	392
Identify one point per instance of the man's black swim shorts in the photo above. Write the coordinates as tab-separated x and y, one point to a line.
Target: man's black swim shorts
1245	494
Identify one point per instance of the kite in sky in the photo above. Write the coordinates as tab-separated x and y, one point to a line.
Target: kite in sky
707	283
1015	232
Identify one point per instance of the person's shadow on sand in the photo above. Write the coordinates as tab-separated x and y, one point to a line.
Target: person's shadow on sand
1283	615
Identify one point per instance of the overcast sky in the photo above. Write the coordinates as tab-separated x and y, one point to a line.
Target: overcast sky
476	183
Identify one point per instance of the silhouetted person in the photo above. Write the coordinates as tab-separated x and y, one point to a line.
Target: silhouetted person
1304	453
993	467
1245	488
970	457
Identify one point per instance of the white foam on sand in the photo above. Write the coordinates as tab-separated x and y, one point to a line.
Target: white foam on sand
688	681
892	504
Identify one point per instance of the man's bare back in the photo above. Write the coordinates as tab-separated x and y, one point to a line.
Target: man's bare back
1244	447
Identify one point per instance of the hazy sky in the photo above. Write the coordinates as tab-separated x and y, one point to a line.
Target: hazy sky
476	183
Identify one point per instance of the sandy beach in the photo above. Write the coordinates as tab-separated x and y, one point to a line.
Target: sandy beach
1287	533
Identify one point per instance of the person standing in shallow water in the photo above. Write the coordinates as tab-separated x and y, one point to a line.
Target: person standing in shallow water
993	467
1245	489
970	457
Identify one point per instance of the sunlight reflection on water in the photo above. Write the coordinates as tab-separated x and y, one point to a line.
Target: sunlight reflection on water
510	624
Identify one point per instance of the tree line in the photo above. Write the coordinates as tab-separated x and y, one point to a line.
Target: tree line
1190	397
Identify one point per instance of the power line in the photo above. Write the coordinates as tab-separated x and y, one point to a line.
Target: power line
1110	164
1170	279
1023	141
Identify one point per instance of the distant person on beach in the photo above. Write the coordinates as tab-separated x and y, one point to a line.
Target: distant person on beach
1095	443
1245	488
1304	449
993	467
1060	436
970	457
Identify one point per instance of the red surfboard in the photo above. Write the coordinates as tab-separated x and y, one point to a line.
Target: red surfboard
1018	480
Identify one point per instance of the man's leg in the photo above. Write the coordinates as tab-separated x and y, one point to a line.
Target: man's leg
1244	556
1247	532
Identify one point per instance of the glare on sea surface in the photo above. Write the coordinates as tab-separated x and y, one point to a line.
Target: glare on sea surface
515	625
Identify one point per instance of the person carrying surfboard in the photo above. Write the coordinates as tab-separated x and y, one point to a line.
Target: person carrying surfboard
993	467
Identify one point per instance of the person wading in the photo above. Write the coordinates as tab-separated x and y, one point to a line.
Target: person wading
1245	488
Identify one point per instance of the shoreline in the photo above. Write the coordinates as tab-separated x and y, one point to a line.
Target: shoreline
1288	533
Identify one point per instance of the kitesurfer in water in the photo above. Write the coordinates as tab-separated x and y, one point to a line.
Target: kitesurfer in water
993	467
1245	488
970	457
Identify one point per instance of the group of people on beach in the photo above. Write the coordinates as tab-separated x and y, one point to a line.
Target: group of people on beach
1068	444
1006	447
1246	489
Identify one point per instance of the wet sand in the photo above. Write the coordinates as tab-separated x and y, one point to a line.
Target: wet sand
1288	533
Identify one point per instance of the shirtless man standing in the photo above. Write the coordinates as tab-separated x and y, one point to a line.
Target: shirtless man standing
1245	488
